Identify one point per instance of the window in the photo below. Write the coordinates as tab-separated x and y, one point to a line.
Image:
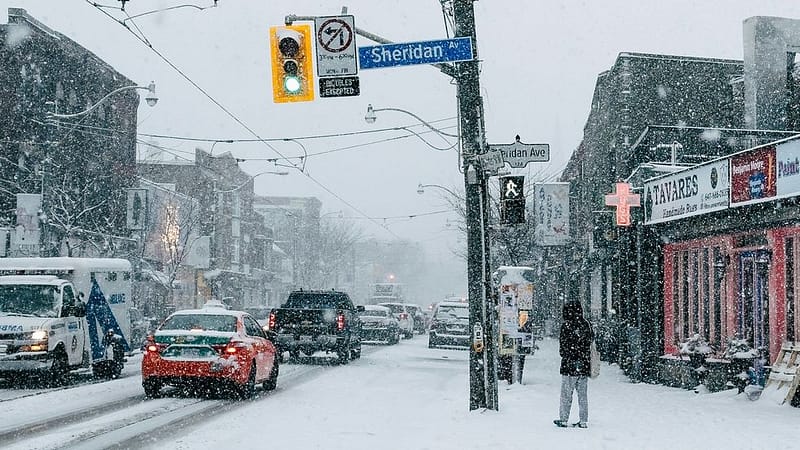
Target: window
676	297
790	288
695	294
373	313
111	276
236	204
684	295
69	296
235	250
252	328
206	322
704	270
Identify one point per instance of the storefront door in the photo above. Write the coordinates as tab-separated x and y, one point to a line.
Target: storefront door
753	308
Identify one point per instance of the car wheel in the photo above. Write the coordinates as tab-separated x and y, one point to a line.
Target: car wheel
152	387
355	353
409	335
395	338
343	354
272	381
57	375
249	388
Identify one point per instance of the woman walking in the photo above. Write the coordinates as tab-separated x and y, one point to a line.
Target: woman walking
575	340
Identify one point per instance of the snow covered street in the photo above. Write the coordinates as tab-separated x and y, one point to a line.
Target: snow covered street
408	396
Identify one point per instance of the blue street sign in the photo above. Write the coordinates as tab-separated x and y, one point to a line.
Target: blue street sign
410	53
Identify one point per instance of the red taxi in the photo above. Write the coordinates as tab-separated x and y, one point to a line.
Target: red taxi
210	345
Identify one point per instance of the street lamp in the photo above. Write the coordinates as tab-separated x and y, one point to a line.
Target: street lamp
421	189
151	100
268	172
370	117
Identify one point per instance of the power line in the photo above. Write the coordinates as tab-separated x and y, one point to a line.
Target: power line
234	117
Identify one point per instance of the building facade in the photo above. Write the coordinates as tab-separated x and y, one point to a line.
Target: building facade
81	174
240	269
720	273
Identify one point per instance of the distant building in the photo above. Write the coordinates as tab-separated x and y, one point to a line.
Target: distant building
82	172
295	222
240	270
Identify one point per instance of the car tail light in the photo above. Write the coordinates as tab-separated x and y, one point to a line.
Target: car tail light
403	316
340	322
231	348
271	323
152	346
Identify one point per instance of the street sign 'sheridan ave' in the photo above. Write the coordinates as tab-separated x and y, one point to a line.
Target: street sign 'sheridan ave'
411	53
519	154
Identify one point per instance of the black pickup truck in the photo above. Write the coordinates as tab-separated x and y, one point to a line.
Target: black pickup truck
312	321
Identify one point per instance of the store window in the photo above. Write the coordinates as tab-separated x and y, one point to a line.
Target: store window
791	285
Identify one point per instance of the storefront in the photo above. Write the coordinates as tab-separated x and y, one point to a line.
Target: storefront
730	266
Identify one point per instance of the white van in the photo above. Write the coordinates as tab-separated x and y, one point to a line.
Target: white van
54	313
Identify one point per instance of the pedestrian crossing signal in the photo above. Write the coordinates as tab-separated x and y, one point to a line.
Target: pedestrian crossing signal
292	63
512	200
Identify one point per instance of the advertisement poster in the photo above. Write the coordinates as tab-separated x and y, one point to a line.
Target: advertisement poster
788	168
551	213
26	235
753	176
691	192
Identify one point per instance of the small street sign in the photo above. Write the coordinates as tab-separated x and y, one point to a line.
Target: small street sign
136	216
519	154
339	87
411	53
336	46
492	161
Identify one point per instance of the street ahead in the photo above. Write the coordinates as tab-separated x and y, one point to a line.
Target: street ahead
403	396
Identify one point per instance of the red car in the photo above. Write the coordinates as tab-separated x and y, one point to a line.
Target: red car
210	345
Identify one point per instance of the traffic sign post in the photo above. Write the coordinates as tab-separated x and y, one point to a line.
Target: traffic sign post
492	161
518	154
512	200
339	87
413	53
336	46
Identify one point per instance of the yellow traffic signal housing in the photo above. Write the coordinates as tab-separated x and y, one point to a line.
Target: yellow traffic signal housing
292	63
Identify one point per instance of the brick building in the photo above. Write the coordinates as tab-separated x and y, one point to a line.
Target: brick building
81	172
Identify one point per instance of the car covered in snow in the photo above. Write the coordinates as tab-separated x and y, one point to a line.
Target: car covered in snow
449	325
379	324
212	345
404	315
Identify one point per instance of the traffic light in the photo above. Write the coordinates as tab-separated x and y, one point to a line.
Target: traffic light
512	200
292	63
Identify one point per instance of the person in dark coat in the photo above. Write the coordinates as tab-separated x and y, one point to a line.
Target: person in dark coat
575	340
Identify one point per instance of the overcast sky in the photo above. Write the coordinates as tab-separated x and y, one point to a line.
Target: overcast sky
540	63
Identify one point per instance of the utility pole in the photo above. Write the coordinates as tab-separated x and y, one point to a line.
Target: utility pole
482	370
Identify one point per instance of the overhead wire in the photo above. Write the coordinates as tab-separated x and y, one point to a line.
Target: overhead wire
145	41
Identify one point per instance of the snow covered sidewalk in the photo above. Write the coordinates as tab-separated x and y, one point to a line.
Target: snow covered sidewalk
410	397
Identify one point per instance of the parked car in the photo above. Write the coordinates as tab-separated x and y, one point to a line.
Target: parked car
378	324
404	317
210	346
449	325
419	317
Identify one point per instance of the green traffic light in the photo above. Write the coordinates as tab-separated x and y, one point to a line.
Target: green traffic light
291	84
